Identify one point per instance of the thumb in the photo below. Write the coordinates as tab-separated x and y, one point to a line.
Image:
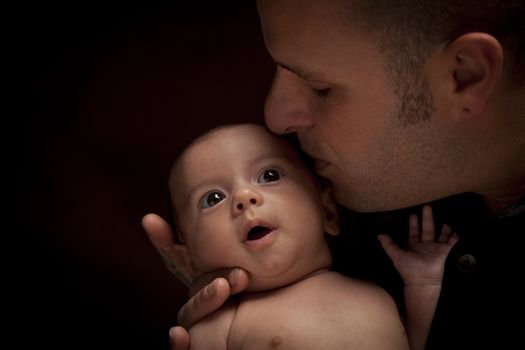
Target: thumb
175	256
158	231
389	246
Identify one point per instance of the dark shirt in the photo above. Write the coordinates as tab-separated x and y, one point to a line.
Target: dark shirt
481	301
480	304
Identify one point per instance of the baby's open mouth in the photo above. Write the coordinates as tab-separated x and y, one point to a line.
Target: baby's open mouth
258	232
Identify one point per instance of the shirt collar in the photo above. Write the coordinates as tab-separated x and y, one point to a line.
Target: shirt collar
513	209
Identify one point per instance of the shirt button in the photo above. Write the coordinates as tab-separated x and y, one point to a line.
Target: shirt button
467	263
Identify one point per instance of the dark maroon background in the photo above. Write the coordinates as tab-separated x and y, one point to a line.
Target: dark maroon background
113	93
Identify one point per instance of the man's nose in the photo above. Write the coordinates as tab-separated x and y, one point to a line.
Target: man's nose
287	105
244	198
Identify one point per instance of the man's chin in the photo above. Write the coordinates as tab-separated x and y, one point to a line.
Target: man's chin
359	202
363	202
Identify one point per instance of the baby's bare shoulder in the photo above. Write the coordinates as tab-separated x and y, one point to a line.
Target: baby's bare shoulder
336	285
349	297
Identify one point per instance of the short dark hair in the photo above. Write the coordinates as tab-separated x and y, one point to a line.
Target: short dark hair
407	30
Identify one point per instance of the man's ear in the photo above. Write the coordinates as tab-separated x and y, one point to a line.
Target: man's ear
331	221
474	63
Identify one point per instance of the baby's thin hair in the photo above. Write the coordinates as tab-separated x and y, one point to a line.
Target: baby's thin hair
172	214
319	182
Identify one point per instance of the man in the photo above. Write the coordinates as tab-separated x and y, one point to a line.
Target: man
402	103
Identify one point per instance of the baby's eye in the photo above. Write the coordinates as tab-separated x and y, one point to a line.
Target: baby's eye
210	199
269	175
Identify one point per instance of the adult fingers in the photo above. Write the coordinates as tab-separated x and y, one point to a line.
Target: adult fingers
204	302
163	239
237	278
206	298
179	339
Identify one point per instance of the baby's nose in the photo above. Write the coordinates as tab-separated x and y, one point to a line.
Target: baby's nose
241	205
246	197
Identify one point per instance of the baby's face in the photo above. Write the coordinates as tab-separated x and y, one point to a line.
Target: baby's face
244	198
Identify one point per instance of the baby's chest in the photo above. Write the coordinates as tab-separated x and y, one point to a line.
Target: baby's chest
268	325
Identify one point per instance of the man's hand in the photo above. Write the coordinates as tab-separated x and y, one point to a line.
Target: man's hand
163	238
206	300
208	293
179	339
424	260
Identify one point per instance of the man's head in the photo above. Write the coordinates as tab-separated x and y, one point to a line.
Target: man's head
400	101
244	198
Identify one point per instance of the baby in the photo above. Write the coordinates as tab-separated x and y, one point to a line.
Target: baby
243	197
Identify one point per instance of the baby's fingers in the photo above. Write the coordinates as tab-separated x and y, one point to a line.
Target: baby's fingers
413	229
453	239
389	246
428	230
446	234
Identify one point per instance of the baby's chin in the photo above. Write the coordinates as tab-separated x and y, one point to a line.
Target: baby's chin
277	279
285	273
257	285
260	284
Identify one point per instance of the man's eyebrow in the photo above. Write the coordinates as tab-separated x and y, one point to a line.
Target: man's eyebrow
307	75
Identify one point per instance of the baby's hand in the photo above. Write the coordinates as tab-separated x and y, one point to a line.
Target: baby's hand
424	260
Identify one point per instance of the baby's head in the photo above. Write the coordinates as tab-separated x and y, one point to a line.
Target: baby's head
243	197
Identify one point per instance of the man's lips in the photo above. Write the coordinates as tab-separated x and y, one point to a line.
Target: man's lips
320	164
317	162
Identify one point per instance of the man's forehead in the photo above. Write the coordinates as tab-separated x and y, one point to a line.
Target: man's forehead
306	40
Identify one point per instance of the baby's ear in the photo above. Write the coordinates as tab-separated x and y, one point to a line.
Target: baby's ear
331	220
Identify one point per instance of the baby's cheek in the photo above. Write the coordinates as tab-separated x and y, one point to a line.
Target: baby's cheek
209	259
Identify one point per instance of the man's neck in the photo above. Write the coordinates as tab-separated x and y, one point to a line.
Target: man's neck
510	171
496	202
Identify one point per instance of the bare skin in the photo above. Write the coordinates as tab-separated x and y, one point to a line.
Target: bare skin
215	197
292	300
347	118
421	266
301	317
